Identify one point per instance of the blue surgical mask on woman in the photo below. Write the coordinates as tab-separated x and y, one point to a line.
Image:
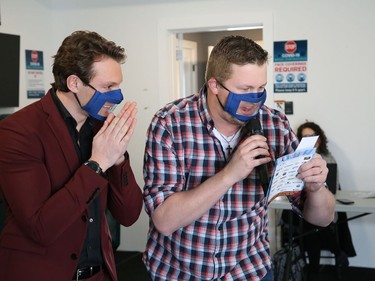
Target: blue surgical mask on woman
103	103
234	101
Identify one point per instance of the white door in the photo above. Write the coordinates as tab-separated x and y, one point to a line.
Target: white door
186	74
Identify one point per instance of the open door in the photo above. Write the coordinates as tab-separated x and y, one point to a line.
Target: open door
185	68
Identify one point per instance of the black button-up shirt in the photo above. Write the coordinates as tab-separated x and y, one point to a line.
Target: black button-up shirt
82	139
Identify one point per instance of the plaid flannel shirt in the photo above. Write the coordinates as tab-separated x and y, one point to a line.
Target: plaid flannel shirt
230	241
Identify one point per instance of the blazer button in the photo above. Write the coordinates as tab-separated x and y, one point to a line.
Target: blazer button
84	218
125	179
73	256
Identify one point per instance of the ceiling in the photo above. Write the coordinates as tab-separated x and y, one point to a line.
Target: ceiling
69	4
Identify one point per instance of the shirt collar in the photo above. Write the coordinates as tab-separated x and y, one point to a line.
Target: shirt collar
63	111
203	109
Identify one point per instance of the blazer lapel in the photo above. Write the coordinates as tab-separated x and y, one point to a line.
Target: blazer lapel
59	129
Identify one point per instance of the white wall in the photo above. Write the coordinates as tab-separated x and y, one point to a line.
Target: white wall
340	53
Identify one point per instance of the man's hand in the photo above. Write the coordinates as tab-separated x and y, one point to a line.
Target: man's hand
319	205
112	140
250	153
313	173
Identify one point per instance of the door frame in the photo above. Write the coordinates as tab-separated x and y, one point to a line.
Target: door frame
179	66
168	27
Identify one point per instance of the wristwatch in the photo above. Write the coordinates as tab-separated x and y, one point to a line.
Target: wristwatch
93	165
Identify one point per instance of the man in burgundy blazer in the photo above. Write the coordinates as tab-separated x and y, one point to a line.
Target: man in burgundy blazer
48	189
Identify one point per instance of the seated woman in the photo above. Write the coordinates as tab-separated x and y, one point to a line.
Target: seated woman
336	237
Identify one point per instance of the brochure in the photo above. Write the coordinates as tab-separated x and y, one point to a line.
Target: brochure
284	180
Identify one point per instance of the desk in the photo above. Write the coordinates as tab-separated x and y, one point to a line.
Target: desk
363	206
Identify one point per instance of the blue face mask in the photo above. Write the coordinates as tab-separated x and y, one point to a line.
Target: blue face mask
238	104
101	104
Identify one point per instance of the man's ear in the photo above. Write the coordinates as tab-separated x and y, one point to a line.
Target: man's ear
212	85
73	82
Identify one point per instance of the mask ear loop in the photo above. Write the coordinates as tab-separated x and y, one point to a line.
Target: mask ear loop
92	87
221	85
75	95
220	103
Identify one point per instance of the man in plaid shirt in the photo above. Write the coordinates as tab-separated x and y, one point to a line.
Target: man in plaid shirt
205	198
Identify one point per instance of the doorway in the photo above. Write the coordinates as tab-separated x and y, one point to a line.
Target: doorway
207	24
186	75
190	68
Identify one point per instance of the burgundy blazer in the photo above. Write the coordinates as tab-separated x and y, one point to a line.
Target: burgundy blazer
47	192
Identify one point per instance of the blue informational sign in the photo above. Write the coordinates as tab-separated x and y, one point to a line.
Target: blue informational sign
34	74
290	66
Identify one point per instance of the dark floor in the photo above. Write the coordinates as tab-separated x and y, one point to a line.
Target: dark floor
330	273
130	268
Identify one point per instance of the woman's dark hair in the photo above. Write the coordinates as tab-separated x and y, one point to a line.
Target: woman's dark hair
77	54
322	149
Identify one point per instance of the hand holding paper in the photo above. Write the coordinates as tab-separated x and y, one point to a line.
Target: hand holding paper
284	180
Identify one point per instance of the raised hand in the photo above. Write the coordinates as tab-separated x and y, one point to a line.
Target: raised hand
112	140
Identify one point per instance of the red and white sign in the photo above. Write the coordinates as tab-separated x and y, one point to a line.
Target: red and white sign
290	47
34	56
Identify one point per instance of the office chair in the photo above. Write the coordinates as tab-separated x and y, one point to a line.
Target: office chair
313	240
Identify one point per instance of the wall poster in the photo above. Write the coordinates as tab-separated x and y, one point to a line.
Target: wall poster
290	66
34	74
